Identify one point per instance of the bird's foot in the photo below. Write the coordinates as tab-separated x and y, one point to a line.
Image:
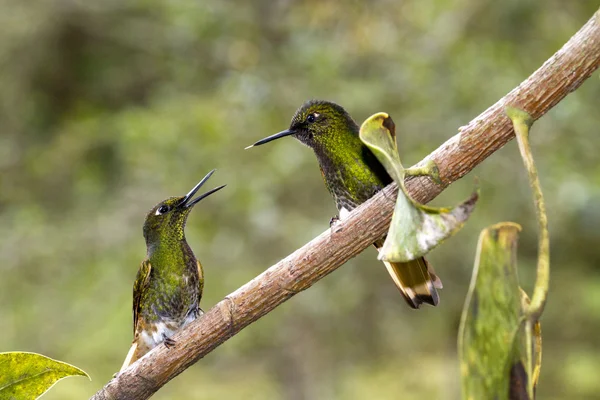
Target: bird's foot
334	220
168	341
430	169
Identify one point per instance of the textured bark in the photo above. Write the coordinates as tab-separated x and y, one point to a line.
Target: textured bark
564	72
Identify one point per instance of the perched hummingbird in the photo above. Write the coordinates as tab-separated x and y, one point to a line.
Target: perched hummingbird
353	175
169	283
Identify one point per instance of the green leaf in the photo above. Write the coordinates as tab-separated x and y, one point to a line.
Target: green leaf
495	337
491	317
378	133
25	376
415	228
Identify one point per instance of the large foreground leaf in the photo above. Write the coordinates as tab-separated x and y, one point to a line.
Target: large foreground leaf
25	376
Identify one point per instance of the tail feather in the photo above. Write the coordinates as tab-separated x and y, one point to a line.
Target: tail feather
132	356
437	282
416	280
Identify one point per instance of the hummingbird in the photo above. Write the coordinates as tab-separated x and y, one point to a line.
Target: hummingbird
169	283
352	175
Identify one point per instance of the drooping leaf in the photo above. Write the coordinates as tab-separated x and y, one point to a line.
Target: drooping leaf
415	229
494	336
25	376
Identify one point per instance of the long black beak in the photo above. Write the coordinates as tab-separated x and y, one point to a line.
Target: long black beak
187	201
281	134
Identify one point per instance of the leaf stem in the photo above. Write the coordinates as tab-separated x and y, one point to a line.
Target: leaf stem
522	121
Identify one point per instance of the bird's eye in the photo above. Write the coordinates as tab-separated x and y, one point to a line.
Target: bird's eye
312	118
162	209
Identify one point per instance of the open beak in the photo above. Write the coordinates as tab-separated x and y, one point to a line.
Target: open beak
187	201
281	134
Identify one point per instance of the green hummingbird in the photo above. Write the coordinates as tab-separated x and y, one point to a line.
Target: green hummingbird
169	283
352	175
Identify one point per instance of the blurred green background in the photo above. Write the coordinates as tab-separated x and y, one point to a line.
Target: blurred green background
106	108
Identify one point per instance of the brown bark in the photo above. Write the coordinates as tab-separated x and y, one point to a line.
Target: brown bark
564	72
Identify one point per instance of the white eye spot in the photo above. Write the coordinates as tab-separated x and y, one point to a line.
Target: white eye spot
161	210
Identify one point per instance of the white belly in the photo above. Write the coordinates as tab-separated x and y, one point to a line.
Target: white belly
344	212
161	330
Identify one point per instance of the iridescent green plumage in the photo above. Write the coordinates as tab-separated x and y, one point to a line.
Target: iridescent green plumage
169	283
353	175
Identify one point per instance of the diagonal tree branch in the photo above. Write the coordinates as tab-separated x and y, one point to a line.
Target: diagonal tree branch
564	72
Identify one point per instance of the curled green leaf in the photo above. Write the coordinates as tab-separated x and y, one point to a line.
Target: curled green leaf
415	229
495	337
29	375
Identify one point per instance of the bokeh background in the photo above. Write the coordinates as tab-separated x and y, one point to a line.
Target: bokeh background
108	107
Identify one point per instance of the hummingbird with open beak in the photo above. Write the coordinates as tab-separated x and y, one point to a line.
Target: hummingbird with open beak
352	175
169	283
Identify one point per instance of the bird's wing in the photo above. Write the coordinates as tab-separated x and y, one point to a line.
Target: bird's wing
200	280
139	288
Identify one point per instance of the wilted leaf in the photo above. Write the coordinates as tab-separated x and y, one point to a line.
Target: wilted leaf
492	346
415	229
25	376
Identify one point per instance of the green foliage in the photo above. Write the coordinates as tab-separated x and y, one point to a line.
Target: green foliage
415	228
26	376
